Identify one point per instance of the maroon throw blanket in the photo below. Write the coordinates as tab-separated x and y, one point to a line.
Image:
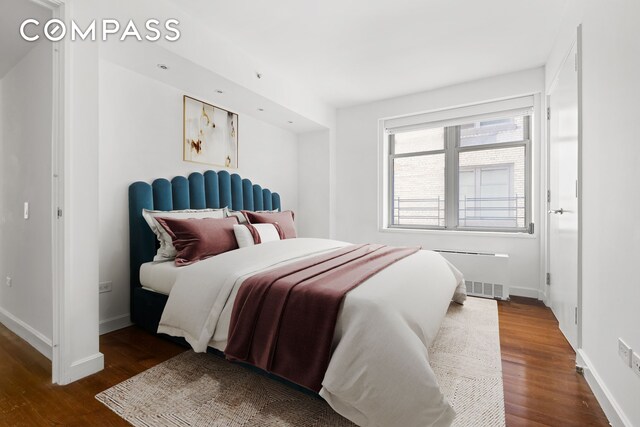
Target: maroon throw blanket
283	320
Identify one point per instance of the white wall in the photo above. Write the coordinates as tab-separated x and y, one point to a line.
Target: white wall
313	219
358	165
610	202
140	140
25	176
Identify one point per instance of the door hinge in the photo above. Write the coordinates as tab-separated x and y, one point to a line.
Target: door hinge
548	113
531	228
59	212
548	196
576	315
549	279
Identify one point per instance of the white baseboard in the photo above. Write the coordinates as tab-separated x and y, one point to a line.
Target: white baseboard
526	292
545	297
115	323
612	410
83	368
27	333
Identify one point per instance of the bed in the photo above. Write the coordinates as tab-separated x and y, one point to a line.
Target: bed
378	373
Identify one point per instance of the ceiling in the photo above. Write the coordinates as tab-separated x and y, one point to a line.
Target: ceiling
202	83
354	51
12	47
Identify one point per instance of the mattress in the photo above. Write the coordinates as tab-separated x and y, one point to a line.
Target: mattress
159	276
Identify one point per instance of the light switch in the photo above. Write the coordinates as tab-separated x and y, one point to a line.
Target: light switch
26	210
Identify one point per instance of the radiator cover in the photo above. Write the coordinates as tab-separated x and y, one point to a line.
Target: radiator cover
486	274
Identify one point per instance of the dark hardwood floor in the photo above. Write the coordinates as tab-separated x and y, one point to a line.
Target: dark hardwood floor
541	386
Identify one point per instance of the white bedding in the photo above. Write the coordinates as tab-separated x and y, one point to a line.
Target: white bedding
379	373
159	276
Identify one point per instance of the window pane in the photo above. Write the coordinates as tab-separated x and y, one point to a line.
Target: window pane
419	140
492	188
510	129
418	190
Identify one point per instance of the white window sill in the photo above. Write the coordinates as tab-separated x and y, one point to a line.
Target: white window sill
459	233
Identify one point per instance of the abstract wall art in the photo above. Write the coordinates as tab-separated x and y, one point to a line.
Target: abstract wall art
210	134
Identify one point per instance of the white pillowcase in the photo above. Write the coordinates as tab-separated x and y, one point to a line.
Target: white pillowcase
243	219
238	214
267	232
167	251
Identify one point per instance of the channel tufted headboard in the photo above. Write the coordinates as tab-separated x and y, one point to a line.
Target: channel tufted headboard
209	190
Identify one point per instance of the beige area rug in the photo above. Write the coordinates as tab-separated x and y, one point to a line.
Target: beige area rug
205	390
467	362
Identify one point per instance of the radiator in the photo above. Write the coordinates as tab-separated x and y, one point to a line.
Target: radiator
486	275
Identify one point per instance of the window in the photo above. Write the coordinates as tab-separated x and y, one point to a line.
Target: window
418	165
463	174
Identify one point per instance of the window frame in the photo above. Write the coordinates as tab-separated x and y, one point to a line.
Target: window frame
452	151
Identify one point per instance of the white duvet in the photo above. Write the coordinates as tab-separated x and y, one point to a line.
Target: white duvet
379	373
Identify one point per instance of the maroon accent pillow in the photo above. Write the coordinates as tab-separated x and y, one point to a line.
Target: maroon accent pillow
196	239
284	221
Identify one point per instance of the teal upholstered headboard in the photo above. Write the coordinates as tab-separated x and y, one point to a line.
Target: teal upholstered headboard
199	191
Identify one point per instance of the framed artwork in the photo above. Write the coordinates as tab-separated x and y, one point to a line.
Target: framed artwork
210	134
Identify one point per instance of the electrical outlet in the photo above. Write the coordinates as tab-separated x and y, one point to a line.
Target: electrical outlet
624	351
635	363
9	281
105	287
26	210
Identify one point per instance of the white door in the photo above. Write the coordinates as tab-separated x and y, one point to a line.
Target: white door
563	200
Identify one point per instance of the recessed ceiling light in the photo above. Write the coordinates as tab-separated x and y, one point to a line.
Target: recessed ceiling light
289	121
163	67
219	91
260	109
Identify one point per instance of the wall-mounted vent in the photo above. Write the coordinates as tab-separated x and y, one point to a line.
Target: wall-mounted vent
486	274
485	290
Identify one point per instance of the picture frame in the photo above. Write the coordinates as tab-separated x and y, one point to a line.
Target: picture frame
209	134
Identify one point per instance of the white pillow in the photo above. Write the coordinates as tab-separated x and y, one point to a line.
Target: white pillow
238	214
167	251
243	219
267	232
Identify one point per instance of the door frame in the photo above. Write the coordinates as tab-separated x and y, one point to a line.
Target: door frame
58	221
578	43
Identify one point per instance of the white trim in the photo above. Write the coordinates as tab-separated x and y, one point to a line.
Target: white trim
579	183
544	205
57	184
612	410
526	292
449	232
544	297
83	368
36	339
115	323
58	143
